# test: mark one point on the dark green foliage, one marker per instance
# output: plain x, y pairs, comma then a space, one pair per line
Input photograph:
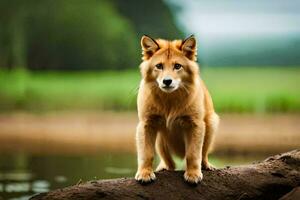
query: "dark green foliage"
152, 18
62, 34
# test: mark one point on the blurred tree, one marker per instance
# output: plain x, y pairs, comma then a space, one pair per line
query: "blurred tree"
152, 18
80, 35
12, 33
62, 34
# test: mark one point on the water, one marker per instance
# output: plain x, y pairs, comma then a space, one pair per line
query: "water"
23, 175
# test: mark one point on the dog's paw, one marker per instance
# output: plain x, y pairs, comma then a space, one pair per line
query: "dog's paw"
193, 176
208, 167
145, 176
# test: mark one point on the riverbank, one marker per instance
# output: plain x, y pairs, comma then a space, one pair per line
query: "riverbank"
86, 132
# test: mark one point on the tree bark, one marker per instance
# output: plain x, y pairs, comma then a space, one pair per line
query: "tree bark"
272, 178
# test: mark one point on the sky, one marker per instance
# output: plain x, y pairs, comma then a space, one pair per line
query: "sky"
237, 18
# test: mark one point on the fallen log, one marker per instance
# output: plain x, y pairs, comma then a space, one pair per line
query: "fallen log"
272, 178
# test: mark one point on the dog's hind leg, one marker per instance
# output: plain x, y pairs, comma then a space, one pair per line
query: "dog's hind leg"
166, 161
212, 123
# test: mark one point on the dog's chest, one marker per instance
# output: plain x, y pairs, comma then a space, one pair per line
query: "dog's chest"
172, 123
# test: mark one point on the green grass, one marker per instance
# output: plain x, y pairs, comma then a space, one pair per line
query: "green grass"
254, 89
233, 90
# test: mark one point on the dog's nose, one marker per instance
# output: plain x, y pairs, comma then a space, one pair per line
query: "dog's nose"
167, 81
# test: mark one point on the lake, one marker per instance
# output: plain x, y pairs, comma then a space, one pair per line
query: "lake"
23, 175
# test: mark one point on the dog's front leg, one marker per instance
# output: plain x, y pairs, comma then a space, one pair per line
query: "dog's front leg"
193, 145
145, 140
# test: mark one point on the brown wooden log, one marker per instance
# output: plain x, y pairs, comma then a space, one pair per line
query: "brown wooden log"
272, 178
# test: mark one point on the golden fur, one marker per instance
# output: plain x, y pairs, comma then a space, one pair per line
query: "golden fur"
179, 121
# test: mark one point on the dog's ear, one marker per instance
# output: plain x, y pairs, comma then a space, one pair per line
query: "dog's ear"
149, 47
189, 48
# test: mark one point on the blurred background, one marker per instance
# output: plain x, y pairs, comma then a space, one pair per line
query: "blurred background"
69, 77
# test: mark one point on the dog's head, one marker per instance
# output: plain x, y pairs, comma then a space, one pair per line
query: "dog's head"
170, 65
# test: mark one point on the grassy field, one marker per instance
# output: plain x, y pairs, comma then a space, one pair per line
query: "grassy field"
233, 89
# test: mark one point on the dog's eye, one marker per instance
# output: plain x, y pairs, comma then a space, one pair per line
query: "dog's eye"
159, 66
177, 66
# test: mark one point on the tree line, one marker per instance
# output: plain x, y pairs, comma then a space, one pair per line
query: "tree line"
78, 35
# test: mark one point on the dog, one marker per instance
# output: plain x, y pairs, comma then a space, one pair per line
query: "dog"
175, 110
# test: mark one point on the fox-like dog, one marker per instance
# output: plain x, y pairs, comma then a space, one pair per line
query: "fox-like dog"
175, 110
